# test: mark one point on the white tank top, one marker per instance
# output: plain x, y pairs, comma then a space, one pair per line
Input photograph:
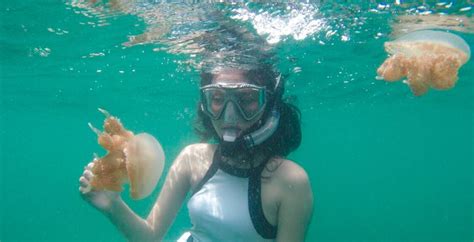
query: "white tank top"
226, 206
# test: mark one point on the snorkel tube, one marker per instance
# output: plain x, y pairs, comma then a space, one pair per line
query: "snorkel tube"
263, 133
271, 124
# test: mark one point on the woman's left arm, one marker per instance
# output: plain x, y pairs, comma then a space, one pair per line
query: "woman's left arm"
296, 206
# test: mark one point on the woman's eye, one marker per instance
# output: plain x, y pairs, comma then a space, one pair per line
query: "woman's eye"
217, 99
247, 99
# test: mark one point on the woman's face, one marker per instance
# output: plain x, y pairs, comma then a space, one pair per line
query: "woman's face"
231, 119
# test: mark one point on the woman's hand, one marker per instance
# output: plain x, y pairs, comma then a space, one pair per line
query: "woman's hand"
102, 200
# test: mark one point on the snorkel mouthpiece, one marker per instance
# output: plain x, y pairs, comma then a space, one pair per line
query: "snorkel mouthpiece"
230, 135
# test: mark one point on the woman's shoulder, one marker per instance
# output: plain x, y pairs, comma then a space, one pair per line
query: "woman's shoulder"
199, 154
199, 157
289, 173
199, 148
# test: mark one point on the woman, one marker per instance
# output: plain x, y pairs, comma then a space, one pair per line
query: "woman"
243, 189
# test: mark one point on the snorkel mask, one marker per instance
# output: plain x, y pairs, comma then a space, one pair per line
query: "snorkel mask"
250, 101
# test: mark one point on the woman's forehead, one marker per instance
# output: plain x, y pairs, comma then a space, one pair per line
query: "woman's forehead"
230, 76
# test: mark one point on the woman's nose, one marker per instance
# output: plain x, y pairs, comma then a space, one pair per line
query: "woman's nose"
231, 113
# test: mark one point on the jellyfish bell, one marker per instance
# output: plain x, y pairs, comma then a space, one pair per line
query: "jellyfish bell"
144, 164
427, 58
134, 159
420, 42
404, 24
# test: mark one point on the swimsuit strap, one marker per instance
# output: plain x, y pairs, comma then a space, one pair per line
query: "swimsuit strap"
211, 171
260, 222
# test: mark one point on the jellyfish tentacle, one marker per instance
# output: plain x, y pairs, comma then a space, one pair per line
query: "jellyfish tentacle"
417, 87
95, 157
418, 76
106, 141
445, 72
393, 69
113, 126
105, 112
96, 130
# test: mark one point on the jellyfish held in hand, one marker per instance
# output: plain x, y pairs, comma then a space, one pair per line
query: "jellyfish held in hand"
427, 59
135, 159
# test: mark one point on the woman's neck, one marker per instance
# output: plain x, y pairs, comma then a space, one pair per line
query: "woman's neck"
244, 161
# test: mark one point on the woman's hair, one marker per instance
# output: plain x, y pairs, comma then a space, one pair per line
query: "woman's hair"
287, 136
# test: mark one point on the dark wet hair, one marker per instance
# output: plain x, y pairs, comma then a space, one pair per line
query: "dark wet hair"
286, 138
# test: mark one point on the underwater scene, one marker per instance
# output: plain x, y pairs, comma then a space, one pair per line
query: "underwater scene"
385, 90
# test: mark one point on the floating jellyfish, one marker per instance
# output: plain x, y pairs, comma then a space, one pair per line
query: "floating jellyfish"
404, 24
426, 58
135, 159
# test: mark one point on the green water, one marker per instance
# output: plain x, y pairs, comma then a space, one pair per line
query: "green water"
384, 165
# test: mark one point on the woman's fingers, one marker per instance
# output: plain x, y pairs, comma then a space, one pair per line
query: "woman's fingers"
82, 190
86, 178
88, 175
89, 166
85, 190
84, 182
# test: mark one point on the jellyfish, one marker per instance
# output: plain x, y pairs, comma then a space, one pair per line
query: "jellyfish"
404, 24
427, 58
134, 159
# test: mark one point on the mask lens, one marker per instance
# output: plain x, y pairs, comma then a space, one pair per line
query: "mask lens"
251, 101
214, 100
